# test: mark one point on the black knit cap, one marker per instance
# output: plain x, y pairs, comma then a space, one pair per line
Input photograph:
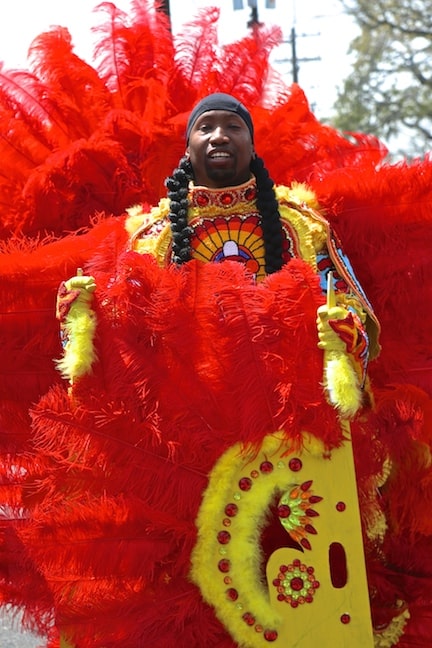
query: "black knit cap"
220, 101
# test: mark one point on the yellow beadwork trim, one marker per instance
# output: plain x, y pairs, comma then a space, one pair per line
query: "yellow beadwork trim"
394, 631
296, 205
139, 222
244, 546
295, 208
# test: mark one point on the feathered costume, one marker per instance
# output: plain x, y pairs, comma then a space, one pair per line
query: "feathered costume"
103, 488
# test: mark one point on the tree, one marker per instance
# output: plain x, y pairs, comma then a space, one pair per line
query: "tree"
389, 92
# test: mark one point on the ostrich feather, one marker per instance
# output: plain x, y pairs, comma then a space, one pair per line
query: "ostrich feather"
128, 48
110, 51
197, 51
101, 491
244, 65
73, 89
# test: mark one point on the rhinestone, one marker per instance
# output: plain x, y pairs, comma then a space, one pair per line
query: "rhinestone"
295, 464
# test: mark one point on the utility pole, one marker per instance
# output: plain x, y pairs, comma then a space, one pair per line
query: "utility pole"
294, 58
295, 66
165, 8
253, 20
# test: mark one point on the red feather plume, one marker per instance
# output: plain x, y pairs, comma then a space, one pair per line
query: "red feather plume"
101, 493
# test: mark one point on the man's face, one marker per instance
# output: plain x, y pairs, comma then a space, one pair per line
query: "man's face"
220, 149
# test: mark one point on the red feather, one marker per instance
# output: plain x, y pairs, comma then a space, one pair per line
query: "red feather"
101, 494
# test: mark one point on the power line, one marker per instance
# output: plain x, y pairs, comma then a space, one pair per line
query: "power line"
254, 22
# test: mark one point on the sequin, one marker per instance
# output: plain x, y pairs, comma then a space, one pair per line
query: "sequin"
223, 537
232, 594
295, 464
266, 467
231, 509
224, 565
245, 484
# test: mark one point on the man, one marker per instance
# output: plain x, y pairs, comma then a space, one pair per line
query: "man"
222, 205
184, 351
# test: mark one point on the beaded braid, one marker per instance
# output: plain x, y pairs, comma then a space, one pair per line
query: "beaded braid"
178, 185
270, 218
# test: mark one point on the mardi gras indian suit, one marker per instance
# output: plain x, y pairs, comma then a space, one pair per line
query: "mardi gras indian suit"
216, 432
146, 503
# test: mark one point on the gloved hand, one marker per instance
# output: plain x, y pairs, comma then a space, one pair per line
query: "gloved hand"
76, 289
81, 282
329, 322
343, 339
342, 331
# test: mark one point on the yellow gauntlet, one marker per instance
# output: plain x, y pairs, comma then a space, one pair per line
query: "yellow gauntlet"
77, 325
343, 339
329, 340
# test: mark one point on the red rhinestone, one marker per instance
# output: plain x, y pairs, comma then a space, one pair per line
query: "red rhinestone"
270, 635
281, 597
309, 598
294, 603
314, 499
266, 467
226, 199
345, 618
232, 594
248, 618
231, 509
284, 511
297, 584
310, 529
250, 193
296, 562
305, 543
315, 584
202, 200
223, 537
306, 485
295, 464
340, 506
311, 513
283, 569
224, 565
245, 484
310, 570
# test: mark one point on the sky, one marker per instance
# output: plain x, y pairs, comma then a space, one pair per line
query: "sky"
323, 34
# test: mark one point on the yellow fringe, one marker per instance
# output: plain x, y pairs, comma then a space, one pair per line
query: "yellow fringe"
394, 631
79, 353
342, 385
244, 547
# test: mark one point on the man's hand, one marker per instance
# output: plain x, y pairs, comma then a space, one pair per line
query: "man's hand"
77, 289
328, 321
